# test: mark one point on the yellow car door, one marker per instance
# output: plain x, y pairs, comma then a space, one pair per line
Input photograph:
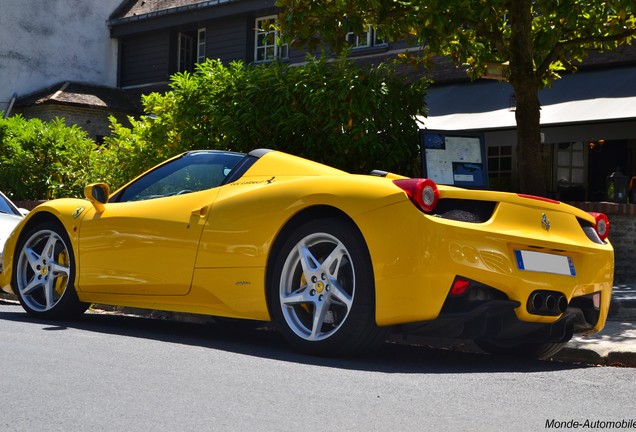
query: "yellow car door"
143, 247
144, 240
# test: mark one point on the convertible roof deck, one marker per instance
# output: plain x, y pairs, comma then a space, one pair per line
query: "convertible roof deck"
245, 164
258, 153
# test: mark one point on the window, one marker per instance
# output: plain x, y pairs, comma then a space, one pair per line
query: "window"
570, 164
201, 45
185, 60
500, 167
267, 41
570, 173
368, 39
7, 206
190, 47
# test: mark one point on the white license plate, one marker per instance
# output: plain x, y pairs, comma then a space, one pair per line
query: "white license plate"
545, 263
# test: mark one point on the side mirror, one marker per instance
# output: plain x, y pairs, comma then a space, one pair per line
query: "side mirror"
97, 194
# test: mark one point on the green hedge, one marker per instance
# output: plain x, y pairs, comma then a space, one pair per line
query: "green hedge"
43, 160
354, 118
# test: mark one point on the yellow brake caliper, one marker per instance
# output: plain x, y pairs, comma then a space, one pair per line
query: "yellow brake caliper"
60, 282
303, 281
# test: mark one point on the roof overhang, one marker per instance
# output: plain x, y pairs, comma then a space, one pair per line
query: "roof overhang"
82, 95
193, 14
584, 97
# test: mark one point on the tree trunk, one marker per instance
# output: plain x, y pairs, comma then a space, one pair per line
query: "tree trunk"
528, 111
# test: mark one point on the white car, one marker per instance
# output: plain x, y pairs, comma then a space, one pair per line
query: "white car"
10, 215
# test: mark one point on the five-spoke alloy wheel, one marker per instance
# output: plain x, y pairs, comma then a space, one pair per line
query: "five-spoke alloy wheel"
322, 291
44, 273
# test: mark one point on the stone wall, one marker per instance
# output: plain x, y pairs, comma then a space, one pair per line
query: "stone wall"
94, 121
623, 238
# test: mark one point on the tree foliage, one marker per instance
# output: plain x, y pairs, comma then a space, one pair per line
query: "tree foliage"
43, 160
351, 117
347, 116
535, 39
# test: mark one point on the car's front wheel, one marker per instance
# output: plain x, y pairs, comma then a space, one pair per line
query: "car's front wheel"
322, 293
44, 273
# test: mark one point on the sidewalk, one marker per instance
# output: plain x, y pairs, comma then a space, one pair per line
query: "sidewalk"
614, 346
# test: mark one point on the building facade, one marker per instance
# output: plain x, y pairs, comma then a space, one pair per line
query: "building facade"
134, 46
588, 118
588, 126
156, 41
77, 59
45, 42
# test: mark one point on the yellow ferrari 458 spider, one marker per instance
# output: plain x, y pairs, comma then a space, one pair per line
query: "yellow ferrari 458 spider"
335, 260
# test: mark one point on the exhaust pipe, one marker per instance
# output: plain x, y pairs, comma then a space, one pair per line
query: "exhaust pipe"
547, 303
562, 303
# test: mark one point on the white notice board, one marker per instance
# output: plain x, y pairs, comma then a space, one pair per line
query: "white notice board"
453, 159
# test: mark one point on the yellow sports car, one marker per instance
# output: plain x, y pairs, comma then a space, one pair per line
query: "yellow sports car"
335, 260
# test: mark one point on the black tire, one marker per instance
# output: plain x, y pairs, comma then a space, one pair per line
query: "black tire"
44, 273
539, 351
321, 290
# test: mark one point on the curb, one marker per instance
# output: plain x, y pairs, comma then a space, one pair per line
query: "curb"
623, 304
590, 357
622, 309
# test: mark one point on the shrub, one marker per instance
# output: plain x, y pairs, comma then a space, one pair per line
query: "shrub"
354, 118
43, 160
351, 117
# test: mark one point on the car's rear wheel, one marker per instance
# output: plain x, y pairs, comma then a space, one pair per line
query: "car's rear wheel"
44, 273
539, 351
322, 293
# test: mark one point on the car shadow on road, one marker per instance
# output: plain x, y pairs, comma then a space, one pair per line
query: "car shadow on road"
247, 338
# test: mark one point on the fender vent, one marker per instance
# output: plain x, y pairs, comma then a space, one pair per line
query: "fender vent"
473, 211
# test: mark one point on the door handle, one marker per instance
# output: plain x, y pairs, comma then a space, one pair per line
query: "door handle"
200, 211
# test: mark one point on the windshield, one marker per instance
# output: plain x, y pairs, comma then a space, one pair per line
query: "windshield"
193, 171
7, 206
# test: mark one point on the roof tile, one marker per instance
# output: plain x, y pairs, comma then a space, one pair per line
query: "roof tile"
142, 7
79, 94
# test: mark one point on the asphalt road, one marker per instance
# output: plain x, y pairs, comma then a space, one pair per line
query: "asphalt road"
114, 373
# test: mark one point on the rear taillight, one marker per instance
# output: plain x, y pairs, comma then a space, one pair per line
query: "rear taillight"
602, 226
423, 192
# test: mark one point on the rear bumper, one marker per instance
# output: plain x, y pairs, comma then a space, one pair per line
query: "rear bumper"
488, 315
417, 257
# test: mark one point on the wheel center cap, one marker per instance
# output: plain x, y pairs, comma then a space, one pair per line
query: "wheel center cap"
319, 287
44, 271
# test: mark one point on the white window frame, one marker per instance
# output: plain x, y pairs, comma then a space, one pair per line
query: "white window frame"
187, 51
368, 39
569, 163
357, 41
269, 50
201, 45
500, 166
